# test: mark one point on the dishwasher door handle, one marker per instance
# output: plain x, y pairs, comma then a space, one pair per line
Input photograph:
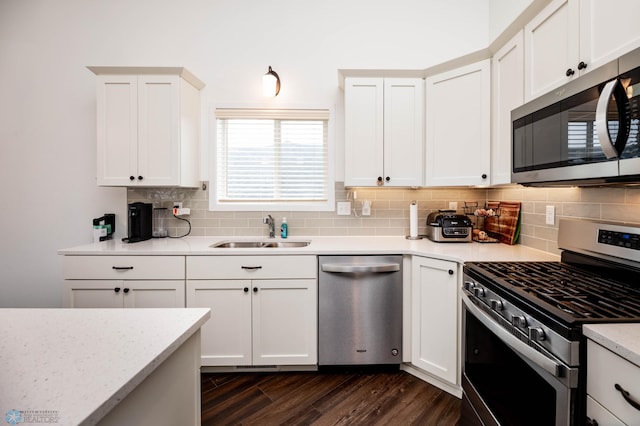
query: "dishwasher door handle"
374, 268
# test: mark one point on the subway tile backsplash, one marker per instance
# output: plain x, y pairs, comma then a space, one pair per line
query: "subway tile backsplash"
390, 211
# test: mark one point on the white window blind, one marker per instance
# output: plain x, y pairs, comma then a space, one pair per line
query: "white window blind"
277, 158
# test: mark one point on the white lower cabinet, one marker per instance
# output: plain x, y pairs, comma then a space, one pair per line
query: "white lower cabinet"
124, 282
263, 309
435, 317
608, 377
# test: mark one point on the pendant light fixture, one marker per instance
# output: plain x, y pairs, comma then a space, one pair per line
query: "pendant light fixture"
270, 83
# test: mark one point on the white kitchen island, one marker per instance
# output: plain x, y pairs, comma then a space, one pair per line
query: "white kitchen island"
100, 366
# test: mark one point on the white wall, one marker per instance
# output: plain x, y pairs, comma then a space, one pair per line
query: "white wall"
47, 96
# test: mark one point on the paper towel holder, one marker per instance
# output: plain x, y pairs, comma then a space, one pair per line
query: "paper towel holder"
417, 237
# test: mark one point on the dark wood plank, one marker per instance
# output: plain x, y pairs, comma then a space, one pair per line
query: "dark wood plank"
324, 399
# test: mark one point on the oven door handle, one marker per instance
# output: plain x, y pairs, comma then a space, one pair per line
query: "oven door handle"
512, 341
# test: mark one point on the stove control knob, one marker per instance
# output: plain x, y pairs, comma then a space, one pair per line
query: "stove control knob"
478, 291
496, 305
519, 321
469, 285
536, 334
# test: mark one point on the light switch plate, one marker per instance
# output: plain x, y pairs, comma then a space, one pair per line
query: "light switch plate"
344, 208
551, 213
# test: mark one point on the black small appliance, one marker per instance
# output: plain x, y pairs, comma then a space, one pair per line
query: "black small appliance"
140, 222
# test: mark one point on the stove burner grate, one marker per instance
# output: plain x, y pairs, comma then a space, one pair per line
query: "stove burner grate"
582, 294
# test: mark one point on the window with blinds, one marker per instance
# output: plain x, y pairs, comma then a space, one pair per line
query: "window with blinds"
272, 160
583, 144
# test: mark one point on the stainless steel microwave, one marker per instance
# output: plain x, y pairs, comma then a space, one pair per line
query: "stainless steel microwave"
583, 133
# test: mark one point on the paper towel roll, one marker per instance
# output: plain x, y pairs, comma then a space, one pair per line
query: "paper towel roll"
413, 220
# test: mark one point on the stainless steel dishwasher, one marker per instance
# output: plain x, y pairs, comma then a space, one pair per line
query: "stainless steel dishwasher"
359, 310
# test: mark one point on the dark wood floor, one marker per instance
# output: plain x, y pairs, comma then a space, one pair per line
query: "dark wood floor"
335, 398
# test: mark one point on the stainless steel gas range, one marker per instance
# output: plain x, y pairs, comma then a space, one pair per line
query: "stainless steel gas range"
524, 354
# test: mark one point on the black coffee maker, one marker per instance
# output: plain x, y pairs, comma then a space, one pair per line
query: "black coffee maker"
140, 222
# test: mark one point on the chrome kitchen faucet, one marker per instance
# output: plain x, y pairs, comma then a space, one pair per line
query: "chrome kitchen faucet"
272, 226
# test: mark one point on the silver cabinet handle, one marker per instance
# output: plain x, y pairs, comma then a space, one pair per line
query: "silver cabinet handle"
375, 268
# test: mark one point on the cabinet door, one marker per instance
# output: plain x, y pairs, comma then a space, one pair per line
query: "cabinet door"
154, 294
458, 126
117, 123
285, 322
364, 131
403, 132
508, 93
608, 29
93, 294
159, 130
435, 317
226, 337
551, 47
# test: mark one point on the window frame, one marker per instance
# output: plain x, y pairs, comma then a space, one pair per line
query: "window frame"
248, 206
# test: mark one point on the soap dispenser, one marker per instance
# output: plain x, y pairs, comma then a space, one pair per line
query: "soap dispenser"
284, 228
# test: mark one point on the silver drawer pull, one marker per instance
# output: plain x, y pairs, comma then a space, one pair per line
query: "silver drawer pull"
251, 268
122, 268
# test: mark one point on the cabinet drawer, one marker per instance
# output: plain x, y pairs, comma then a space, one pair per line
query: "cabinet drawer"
605, 370
123, 267
251, 267
600, 414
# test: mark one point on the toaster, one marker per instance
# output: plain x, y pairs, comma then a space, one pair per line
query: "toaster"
445, 226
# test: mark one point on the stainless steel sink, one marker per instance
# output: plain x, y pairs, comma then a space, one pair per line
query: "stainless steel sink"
286, 244
237, 244
260, 244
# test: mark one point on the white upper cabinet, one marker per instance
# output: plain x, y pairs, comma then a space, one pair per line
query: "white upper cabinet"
572, 37
148, 127
458, 126
508, 93
384, 121
552, 48
608, 29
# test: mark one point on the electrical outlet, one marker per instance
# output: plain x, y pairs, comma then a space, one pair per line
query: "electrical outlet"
344, 208
181, 211
366, 208
177, 204
453, 205
550, 216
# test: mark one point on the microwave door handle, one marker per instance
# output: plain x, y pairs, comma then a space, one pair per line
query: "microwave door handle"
601, 120
612, 149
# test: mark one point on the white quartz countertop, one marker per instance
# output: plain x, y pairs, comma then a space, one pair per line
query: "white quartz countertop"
75, 365
621, 339
458, 252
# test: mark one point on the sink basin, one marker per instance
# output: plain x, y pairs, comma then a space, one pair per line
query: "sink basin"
260, 244
237, 244
285, 244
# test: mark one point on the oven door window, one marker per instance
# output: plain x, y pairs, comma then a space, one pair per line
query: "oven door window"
515, 392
